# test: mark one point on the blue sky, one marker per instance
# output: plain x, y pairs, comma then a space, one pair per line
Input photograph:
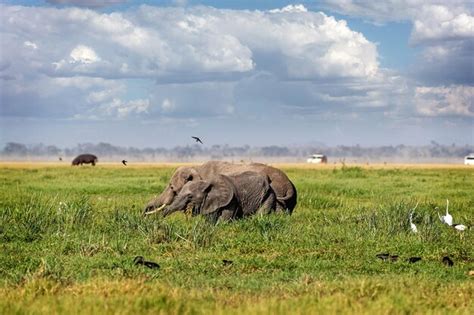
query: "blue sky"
236, 72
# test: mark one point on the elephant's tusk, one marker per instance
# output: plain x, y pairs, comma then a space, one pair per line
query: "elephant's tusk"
155, 210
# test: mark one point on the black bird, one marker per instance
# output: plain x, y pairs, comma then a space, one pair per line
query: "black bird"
227, 262
197, 139
60, 158
447, 261
124, 162
139, 260
413, 260
383, 256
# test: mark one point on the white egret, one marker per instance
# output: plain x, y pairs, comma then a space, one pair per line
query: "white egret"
412, 225
448, 219
459, 227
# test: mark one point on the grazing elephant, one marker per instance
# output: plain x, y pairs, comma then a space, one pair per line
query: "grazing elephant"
226, 197
85, 159
284, 189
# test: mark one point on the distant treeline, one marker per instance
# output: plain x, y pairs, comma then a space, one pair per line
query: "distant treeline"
433, 150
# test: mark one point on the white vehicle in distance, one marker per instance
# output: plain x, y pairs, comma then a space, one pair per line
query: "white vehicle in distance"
469, 160
317, 159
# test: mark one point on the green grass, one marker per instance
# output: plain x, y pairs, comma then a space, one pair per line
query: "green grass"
68, 237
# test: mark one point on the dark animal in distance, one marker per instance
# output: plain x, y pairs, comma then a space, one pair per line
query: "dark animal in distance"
197, 139
139, 260
227, 262
124, 162
60, 158
85, 159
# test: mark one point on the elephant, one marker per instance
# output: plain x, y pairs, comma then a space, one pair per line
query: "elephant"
85, 159
284, 189
226, 197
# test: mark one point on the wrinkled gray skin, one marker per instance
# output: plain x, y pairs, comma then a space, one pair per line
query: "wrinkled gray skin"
224, 198
284, 189
85, 159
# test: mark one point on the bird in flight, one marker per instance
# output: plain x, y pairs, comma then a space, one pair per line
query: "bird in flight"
124, 162
197, 139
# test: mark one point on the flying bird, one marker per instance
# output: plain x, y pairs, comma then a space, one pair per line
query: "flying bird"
448, 219
412, 225
124, 162
447, 261
139, 260
197, 139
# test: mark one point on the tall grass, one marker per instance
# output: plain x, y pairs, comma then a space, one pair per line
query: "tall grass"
68, 238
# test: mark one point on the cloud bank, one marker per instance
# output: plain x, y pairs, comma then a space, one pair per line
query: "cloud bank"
187, 64
91, 54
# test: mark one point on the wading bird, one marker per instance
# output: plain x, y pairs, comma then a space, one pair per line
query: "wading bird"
197, 139
459, 227
448, 219
412, 225
124, 162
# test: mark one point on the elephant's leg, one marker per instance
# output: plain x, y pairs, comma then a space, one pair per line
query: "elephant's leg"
226, 215
268, 205
93, 163
280, 207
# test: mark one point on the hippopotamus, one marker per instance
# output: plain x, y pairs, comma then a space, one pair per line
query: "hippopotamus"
85, 159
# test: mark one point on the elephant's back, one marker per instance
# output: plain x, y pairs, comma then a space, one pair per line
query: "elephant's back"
284, 189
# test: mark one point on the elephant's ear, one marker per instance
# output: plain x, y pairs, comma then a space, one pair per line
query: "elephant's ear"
220, 193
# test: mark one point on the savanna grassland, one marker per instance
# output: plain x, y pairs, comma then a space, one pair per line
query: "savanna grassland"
68, 237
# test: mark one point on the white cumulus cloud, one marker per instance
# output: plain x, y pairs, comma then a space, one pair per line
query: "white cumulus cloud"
83, 54
189, 44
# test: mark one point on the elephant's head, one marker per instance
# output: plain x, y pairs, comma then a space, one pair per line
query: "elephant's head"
178, 180
205, 197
